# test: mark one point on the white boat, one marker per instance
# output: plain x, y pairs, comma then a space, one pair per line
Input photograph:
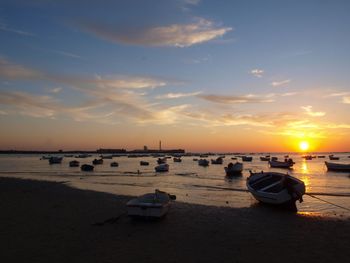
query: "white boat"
154, 205
288, 163
164, 167
234, 169
338, 167
275, 188
332, 157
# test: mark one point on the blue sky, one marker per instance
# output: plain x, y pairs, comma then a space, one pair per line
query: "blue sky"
268, 69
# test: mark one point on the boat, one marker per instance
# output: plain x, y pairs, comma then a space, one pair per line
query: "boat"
87, 167
45, 157
275, 188
247, 158
82, 155
203, 155
55, 159
74, 163
68, 155
233, 158
177, 160
218, 160
164, 167
234, 169
338, 167
97, 161
114, 164
288, 163
144, 163
106, 156
151, 205
274, 158
265, 158
161, 160
321, 156
203, 162
307, 157
195, 159
332, 157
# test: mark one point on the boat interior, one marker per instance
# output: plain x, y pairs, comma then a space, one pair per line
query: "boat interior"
271, 183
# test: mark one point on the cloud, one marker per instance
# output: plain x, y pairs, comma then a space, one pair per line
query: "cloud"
280, 83
175, 35
308, 111
56, 90
177, 95
287, 94
337, 94
5, 27
13, 71
257, 73
250, 98
66, 54
346, 100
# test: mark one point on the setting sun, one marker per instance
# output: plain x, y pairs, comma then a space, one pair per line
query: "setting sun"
304, 146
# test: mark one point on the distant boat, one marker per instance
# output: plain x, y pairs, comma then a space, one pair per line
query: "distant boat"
203, 162
307, 157
233, 158
164, 167
152, 205
177, 160
195, 159
234, 169
87, 167
275, 188
68, 155
55, 160
161, 160
338, 167
114, 164
106, 156
218, 160
144, 163
247, 158
321, 156
265, 158
82, 155
97, 161
288, 163
332, 157
203, 155
74, 163
45, 157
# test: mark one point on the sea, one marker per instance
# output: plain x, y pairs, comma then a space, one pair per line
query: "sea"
327, 193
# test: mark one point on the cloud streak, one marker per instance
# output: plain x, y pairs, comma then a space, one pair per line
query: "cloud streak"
308, 110
177, 95
257, 73
175, 35
6, 28
280, 83
237, 99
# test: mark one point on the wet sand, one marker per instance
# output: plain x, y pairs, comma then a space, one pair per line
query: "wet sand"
52, 222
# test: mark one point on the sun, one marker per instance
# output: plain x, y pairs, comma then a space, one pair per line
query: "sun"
304, 146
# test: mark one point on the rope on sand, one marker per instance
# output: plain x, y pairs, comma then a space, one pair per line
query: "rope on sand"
345, 208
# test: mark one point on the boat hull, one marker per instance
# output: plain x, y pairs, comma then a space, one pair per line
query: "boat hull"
337, 167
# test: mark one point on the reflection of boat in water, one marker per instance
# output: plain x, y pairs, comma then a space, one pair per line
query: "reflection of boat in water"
218, 160
338, 167
288, 163
55, 160
234, 169
275, 188
74, 163
203, 162
87, 167
153, 205
164, 167
97, 161
114, 164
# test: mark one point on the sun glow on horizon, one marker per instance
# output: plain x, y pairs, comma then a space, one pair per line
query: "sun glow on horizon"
304, 146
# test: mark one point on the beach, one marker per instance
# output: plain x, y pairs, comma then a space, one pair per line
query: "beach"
52, 222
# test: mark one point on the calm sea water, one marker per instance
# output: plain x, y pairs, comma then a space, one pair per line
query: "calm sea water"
190, 182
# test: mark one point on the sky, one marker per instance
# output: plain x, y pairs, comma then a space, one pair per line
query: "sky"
201, 75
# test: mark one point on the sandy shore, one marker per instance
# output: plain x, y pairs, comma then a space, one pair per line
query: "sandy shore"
52, 222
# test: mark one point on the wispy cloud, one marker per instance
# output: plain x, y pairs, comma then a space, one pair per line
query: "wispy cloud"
5, 27
280, 83
66, 54
56, 90
287, 94
11, 71
177, 95
337, 94
257, 72
346, 100
176, 35
308, 110
250, 98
